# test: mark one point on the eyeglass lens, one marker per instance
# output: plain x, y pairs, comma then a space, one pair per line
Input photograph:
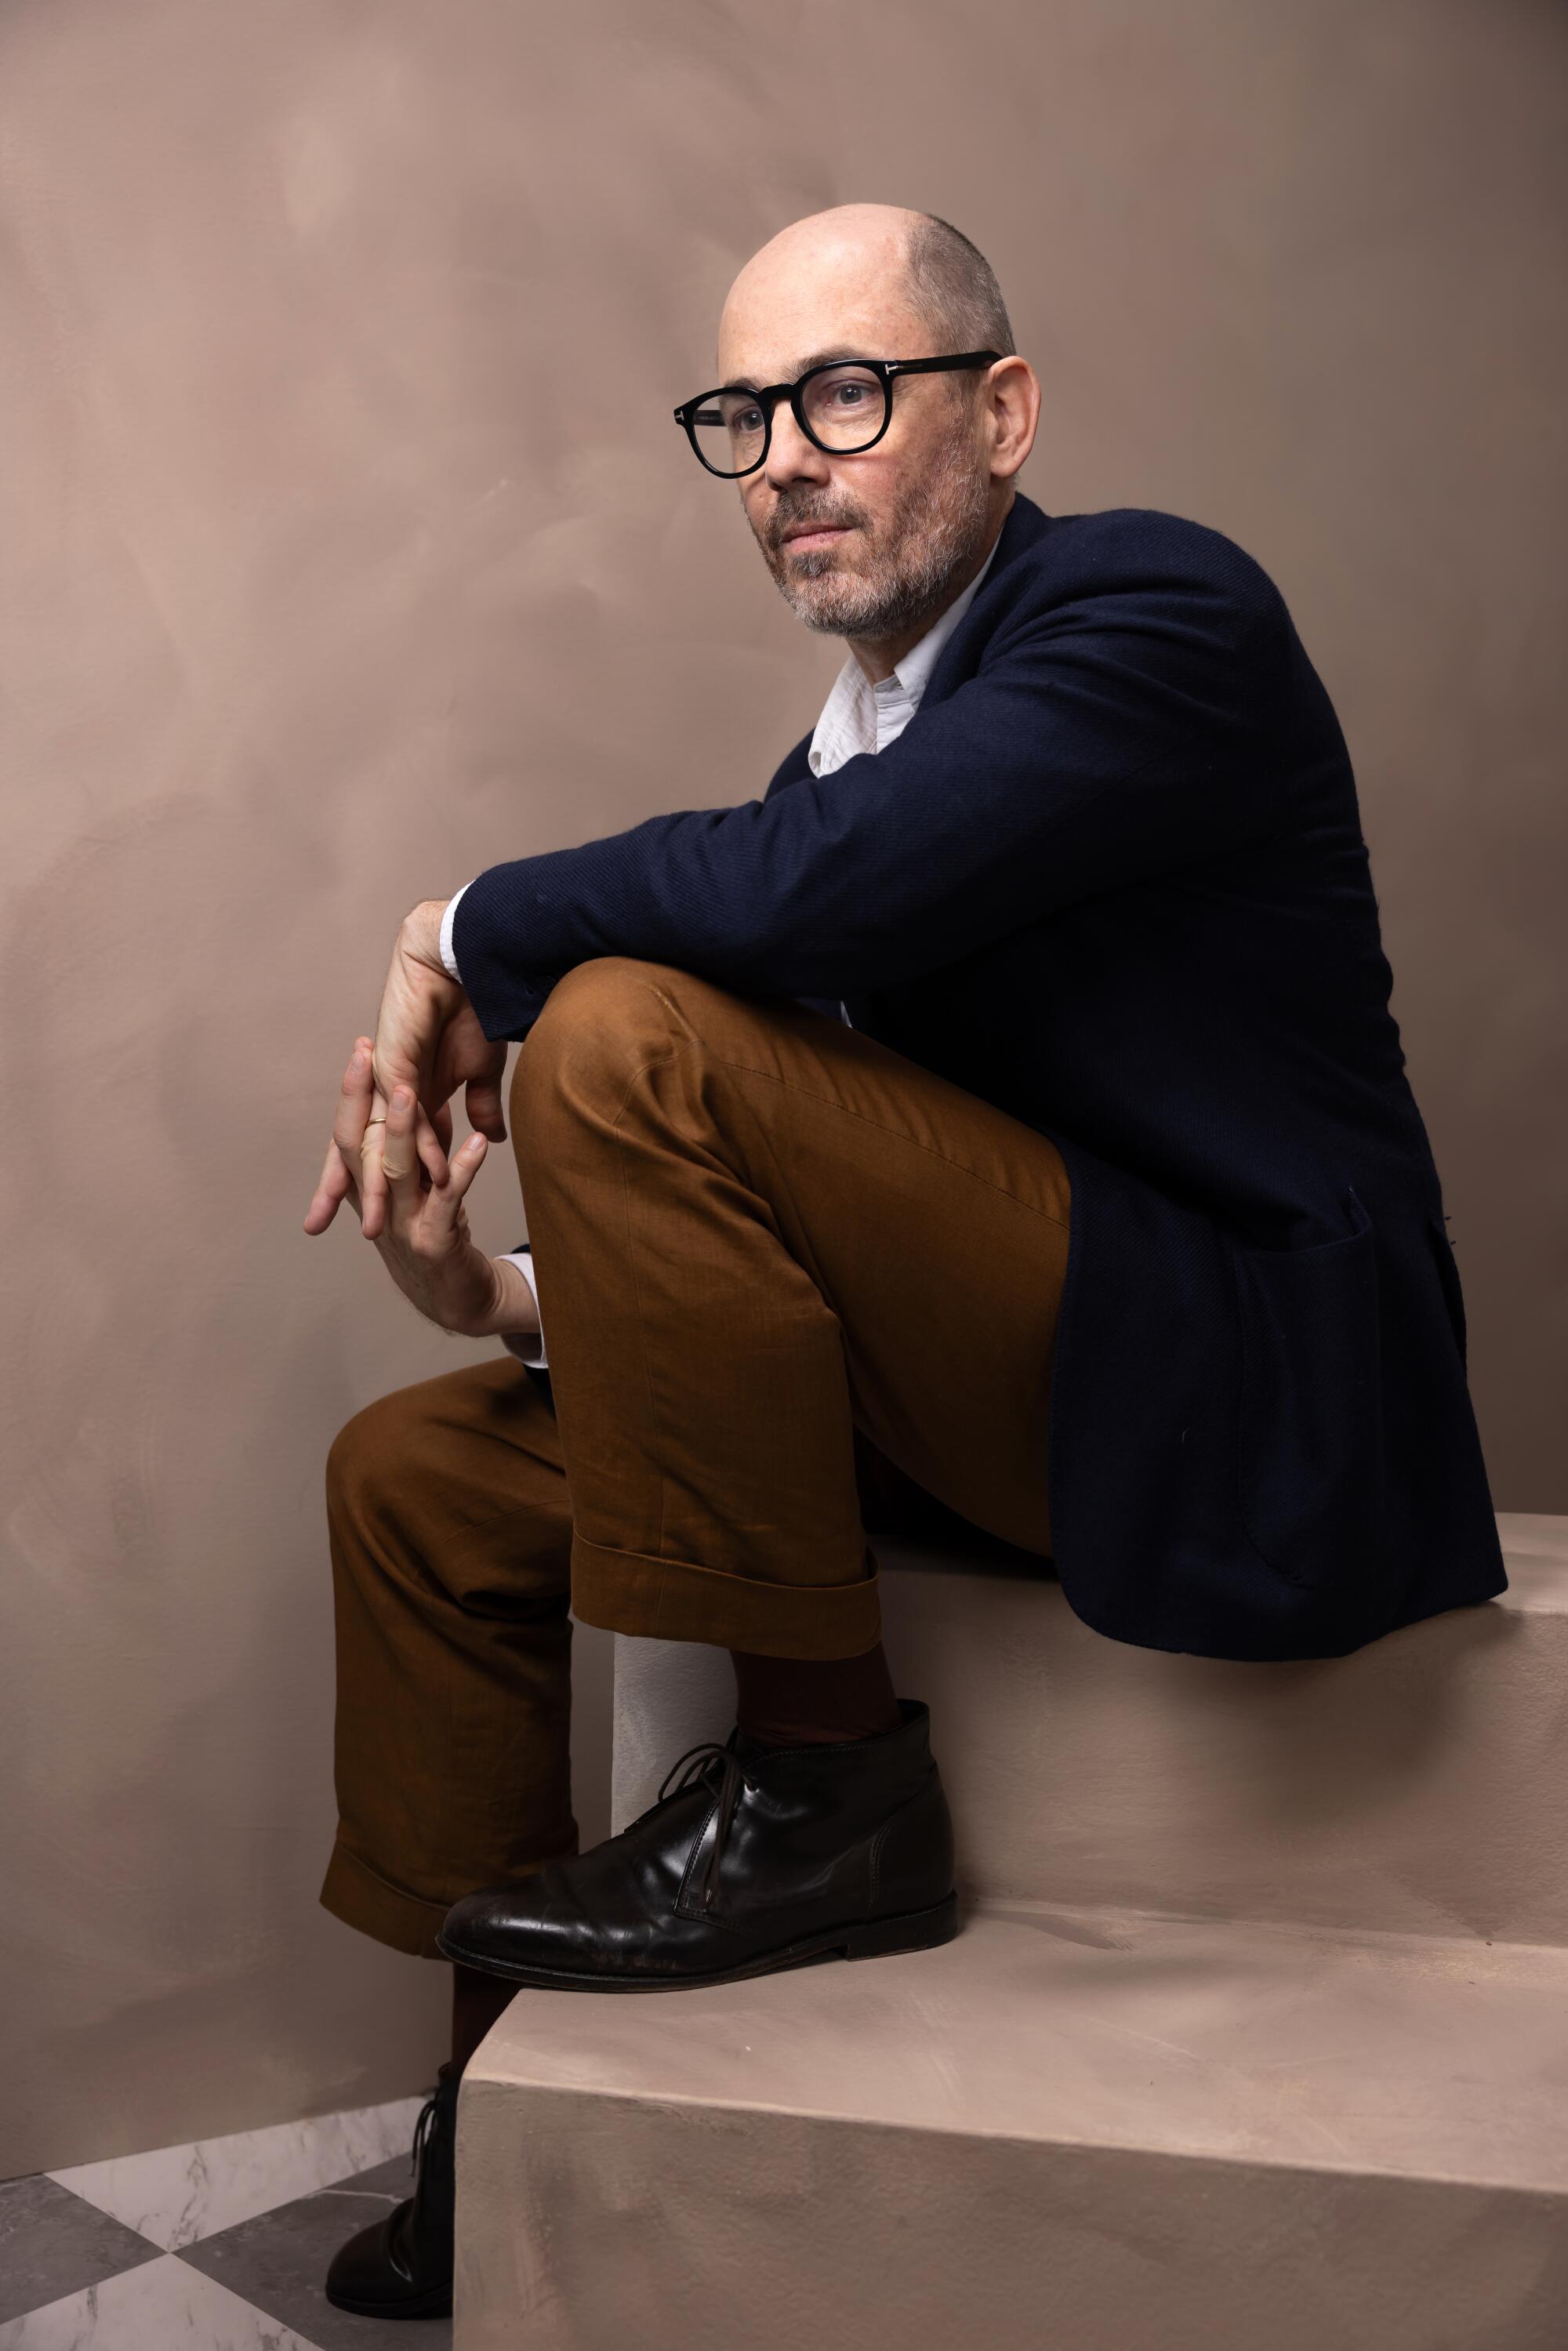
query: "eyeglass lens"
844, 409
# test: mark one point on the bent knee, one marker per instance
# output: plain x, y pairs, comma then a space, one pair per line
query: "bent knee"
600, 1016
363, 1455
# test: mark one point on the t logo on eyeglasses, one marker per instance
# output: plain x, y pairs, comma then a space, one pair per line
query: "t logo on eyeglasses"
843, 407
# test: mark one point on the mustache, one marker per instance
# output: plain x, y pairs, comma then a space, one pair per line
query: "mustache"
802, 519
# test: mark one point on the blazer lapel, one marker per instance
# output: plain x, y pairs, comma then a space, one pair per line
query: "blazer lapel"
1025, 526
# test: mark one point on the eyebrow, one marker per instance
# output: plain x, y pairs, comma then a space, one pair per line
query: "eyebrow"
818, 358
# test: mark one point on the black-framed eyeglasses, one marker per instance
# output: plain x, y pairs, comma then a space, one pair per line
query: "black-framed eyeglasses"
843, 407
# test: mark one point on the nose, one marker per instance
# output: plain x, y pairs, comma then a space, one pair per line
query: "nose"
791, 456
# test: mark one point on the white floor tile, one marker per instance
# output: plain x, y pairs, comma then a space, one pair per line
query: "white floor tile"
166, 2305
176, 2195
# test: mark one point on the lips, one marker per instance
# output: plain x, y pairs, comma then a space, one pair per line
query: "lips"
824, 530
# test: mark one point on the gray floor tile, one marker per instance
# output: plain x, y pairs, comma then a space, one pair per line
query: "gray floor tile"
164, 2305
278, 2259
394, 2178
53, 2244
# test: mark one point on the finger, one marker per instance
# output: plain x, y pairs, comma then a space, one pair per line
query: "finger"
348, 1128
330, 1192
372, 1182
353, 1102
482, 1099
432, 1156
350, 1186
372, 1175
357, 1131
465, 1057
400, 1156
441, 1126
467, 1162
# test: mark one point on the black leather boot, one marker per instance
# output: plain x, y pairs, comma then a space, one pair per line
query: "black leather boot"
402, 2267
756, 1858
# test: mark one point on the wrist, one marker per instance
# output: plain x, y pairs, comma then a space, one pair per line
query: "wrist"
515, 1313
420, 935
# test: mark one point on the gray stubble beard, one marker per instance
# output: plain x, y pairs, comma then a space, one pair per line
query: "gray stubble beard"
938, 531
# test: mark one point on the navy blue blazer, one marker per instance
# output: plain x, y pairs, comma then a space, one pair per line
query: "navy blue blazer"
1112, 877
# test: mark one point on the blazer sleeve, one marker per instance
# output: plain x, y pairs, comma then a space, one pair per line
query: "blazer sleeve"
1103, 741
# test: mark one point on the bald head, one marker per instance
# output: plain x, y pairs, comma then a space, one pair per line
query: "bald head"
939, 280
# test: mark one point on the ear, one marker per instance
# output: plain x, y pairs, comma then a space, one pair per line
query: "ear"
1012, 396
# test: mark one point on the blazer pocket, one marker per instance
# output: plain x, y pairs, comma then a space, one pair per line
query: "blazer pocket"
1309, 1440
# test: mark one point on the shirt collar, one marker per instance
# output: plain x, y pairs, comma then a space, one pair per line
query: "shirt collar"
848, 723
914, 671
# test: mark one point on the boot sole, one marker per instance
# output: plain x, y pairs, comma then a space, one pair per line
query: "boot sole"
437, 2303
874, 1939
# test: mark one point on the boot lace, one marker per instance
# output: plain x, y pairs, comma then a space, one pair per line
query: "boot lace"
696, 1764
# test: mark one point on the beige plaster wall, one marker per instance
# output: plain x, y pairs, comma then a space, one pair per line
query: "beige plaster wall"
348, 548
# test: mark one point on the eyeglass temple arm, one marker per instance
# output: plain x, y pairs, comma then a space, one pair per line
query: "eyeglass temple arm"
942, 366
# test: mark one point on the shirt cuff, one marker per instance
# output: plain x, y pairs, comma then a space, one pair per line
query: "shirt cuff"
447, 957
527, 1349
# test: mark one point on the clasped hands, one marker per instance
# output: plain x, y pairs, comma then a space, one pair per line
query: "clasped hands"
391, 1153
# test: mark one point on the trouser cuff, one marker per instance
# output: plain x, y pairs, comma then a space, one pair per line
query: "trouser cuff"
404, 1922
674, 1599
359, 1896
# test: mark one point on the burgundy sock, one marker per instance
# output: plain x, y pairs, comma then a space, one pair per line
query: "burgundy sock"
477, 1999
811, 1701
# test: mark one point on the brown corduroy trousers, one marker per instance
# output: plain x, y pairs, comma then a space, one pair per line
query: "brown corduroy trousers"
794, 1286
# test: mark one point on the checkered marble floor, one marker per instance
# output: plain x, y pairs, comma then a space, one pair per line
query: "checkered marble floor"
221, 2246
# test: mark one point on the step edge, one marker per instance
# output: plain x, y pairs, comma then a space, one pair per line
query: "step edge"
1380, 1945
1303, 1930
696, 2103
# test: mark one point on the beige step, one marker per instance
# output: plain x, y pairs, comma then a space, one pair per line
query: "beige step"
1071, 2129
1418, 1786
1255, 2038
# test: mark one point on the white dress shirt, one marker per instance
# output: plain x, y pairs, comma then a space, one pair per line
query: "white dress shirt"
857, 718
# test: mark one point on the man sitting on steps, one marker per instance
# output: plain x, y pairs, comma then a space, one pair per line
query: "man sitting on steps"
1000, 1118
